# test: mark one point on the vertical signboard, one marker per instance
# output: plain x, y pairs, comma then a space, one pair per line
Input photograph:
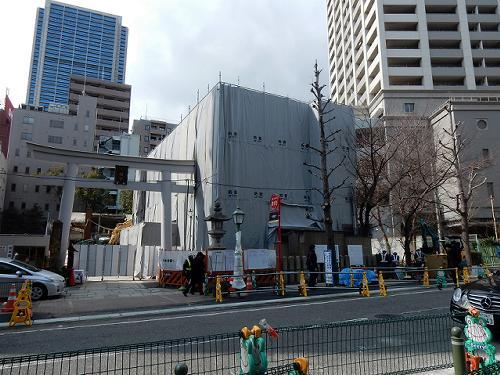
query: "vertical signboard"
275, 217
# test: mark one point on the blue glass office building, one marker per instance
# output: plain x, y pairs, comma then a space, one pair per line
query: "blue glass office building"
73, 40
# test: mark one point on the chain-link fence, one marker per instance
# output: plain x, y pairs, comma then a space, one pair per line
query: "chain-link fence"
396, 345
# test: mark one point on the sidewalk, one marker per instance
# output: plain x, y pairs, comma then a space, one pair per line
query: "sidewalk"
126, 296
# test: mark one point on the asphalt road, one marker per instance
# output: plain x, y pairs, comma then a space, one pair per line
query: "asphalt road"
75, 336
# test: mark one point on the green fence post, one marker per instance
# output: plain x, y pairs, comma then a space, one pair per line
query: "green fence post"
181, 369
458, 350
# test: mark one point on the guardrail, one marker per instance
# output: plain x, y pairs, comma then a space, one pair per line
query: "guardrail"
400, 345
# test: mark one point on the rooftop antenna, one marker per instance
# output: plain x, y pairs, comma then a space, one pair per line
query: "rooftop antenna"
264, 86
208, 88
189, 108
220, 76
181, 117
146, 115
238, 80
198, 96
7, 91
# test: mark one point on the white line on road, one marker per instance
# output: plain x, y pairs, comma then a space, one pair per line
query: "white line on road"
225, 312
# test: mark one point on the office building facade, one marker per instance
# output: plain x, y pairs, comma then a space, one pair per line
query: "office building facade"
57, 129
113, 104
73, 40
151, 133
404, 56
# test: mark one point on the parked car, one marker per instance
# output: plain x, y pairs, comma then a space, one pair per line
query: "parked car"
44, 283
484, 295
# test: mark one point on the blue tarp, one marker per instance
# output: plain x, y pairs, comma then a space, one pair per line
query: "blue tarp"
345, 278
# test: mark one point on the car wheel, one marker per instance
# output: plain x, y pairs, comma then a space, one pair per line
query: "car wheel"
38, 292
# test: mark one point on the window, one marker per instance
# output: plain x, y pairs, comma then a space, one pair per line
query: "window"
55, 139
28, 154
11, 204
27, 170
26, 136
76, 126
86, 128
28, 120
74, 141
37, 188
146, 127
17, 152
39, 171
145, 149
23, 205
146, 138
85, 143
485, 154
25, 188
46, 207
482, 124
58, 124
14, 169
7, 269
87, 114
409, 107
48, 190
12, 187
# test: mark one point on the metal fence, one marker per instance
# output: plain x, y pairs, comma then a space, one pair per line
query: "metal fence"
396, 345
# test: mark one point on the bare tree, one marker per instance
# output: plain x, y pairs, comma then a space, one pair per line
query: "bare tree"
324, 171
463, 180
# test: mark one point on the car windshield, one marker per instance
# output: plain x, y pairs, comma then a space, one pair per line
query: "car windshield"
25, 265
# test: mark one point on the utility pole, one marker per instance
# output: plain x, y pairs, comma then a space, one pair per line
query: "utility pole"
492, 202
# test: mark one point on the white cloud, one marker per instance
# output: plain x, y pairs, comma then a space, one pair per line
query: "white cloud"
179, 46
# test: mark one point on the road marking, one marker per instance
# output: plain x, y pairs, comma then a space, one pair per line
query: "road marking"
216, 313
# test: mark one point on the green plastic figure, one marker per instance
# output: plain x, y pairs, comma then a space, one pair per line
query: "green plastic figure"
479, 337
253, 356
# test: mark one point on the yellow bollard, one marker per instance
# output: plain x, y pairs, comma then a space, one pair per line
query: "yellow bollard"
365, 291
426, 278
218, 290
456, 278
466, 275
282, 283
302, 285
351, 279
381, 285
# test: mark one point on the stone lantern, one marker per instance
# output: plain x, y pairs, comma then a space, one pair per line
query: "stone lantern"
217, 219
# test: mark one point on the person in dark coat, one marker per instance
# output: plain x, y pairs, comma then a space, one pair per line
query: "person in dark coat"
198, 274
312, 266
453, 256
187, 269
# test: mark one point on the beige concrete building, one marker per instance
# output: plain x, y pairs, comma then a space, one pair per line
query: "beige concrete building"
403, 56
113, 104
151, 133
76, 132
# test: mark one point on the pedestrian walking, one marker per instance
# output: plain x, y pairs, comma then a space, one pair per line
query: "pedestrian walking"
198, 274
187, 269
453, 256
312, 266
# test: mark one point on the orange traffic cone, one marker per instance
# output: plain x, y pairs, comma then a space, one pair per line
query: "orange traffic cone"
8, 306
249, 283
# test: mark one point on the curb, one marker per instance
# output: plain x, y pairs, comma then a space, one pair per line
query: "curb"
202, 308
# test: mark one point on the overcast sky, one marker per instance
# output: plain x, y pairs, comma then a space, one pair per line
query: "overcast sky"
176, 47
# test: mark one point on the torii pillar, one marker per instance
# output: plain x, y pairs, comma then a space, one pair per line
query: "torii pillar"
68, 197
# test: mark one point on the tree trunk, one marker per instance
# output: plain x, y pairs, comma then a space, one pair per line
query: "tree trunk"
407, 231
464, 221
87, 231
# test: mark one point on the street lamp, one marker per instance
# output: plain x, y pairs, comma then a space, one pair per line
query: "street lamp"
238, 283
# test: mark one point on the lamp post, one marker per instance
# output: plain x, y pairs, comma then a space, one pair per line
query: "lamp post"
238, 283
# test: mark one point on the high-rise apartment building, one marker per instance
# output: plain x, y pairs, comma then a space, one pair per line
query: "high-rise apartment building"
397, 56
151, 133
113, 104
73, 40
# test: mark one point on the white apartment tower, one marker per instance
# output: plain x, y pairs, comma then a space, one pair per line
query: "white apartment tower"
388, 54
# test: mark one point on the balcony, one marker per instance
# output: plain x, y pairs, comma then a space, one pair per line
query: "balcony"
448, 71
442, 17
405, 71
448, 35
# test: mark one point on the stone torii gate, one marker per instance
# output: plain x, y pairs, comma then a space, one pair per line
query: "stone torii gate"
73, 159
